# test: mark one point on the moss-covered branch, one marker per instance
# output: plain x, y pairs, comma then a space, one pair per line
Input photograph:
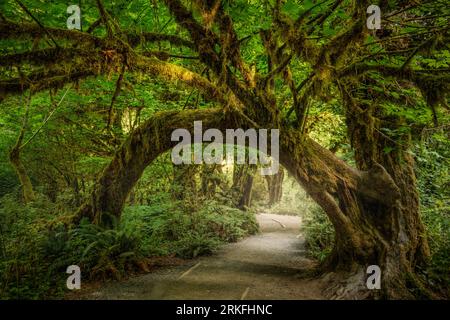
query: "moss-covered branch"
24, 30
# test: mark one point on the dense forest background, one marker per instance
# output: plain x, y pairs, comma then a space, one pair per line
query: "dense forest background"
70, 101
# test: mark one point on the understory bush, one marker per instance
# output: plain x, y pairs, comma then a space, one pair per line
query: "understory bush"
319, 233
36, 247
167, 229
437, 224
432, 168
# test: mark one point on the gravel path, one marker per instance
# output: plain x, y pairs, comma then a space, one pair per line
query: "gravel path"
269, 265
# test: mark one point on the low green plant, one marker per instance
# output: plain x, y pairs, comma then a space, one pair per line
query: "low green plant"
165, 228
36, 248
319, 234
432, 156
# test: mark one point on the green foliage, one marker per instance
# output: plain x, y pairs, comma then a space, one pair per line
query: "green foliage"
165, 228
24, 271
319, 234
432, 157
67, 154
437, 224
36, 248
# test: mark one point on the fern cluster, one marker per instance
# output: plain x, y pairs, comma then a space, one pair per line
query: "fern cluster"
36, 247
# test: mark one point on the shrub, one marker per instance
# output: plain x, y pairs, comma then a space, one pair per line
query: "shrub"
36, 248
432, 158
165, 228
319, 234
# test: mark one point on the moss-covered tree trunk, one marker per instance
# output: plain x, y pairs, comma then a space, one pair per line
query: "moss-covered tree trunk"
275, 187
25, 182
374, 213
243, 175
142, 146
390, 233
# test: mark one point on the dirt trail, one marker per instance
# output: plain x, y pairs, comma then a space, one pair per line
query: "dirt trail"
269, 265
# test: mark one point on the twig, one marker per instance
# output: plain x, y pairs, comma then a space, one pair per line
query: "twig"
278, 69
282, 225
94, 25
36, 20
46, 120
105, 17
416, 50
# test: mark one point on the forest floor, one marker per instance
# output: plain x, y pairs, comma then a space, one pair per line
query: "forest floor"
268, 265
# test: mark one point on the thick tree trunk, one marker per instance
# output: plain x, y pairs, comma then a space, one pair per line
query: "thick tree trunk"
275, 187
246, 199
375, 217
243, 176
395, 233
138, 151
